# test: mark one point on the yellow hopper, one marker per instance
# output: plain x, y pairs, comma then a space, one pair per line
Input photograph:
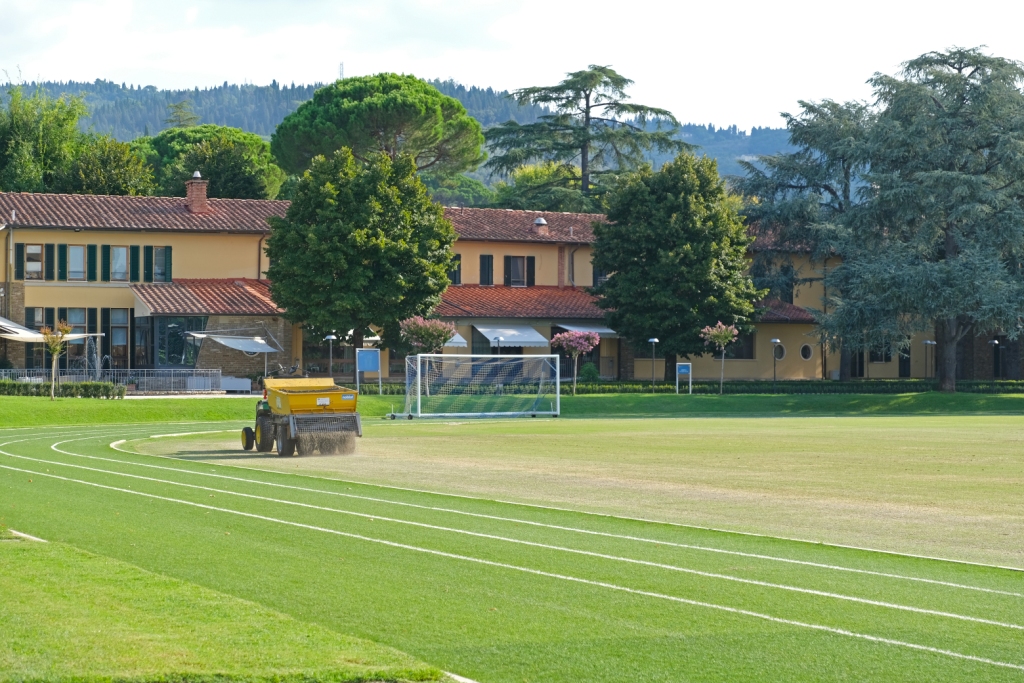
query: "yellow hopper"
304, 414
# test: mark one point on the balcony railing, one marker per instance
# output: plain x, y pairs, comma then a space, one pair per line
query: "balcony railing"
146, 381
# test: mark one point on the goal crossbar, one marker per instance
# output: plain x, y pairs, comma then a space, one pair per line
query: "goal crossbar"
481, 385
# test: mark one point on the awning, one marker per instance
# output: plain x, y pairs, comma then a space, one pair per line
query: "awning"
12, 330
457, 340
600, 329
244, 344
513, 335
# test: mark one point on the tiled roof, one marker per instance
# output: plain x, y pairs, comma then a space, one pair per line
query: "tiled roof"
208, 297
775, 311
474, 301
136, 213
506, 225
770, 238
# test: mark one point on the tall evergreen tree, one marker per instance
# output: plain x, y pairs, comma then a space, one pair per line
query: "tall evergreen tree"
675, 247
799, 200
594, 127
942, 241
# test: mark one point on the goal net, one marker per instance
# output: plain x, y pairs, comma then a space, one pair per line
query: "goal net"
449, 385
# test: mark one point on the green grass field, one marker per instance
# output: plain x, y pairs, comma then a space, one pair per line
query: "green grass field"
406, 543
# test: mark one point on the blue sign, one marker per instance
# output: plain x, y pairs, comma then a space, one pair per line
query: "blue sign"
368, 360
683, 369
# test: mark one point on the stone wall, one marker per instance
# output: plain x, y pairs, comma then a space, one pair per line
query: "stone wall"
233, 363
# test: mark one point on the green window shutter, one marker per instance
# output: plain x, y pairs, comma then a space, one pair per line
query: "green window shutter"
105, 263
167, 264
134, 261
91, 320
508, 271
90, 262
105, 330
49, 316
19, 261
30, 317
147, 264
49, 261
487, 269
62, 262
531, 271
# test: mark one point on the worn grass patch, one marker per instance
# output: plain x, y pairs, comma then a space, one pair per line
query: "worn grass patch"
70, 615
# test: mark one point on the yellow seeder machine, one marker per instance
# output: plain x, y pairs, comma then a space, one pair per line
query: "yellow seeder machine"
305, 415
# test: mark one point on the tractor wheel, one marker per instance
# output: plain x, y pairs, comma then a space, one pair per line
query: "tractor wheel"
285, 444
264, 434
248, 439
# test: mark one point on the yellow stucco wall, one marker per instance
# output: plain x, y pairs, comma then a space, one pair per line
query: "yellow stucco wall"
546, 255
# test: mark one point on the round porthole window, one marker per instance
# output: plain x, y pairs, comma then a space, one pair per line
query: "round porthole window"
806, 351
780, 352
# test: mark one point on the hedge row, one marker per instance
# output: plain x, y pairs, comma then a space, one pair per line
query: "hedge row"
906, 386
64, 389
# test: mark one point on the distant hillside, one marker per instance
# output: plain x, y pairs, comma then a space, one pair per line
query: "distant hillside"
127, 112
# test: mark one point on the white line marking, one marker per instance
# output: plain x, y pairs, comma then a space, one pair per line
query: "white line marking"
538, 572
26, 536
640, 539
545, 546
457, 678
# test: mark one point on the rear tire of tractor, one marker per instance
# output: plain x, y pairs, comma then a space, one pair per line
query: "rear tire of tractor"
248, 439
285, 445
264, 434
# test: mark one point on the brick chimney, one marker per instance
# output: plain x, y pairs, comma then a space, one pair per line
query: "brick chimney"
540, 227
195, 194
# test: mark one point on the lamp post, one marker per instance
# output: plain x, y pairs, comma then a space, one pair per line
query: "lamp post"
929, 370
775, 360
653, 341
996, 365
497, 342
330, 354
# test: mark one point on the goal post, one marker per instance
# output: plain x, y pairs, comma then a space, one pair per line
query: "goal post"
456, 385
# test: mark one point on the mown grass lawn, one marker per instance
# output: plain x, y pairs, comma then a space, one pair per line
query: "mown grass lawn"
71, 615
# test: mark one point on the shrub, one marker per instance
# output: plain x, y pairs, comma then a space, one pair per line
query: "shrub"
589, 373
66, 390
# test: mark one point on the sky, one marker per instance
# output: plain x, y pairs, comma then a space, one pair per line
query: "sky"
741, 62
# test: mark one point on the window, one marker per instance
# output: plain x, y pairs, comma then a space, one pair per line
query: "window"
600, 277
517, 271
157, 267
520, 271
455, 274
76, 262
119, 264
119, 338
806, 352
779, 351
742, 348
76, 347
35, 353
884, 356
487, 269
33, 262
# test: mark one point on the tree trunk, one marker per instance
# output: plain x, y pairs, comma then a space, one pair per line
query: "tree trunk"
585, 149
721, 376
53, 375
575, 371
946, 331
845, 361
670, 367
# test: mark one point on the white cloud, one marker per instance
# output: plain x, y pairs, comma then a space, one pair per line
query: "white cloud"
740, 63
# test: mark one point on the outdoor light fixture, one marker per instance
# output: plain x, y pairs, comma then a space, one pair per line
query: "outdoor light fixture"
497, 342
653, 341
330, 351
775, 360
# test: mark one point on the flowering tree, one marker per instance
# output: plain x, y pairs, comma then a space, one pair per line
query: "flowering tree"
56, 340
575, 344
426, 336
719, 336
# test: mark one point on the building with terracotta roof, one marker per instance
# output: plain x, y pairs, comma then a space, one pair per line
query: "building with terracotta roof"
150, 273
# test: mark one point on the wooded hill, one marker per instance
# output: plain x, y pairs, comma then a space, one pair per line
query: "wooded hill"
128, 111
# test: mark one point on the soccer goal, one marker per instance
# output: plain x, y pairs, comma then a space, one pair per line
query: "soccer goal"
450, 385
